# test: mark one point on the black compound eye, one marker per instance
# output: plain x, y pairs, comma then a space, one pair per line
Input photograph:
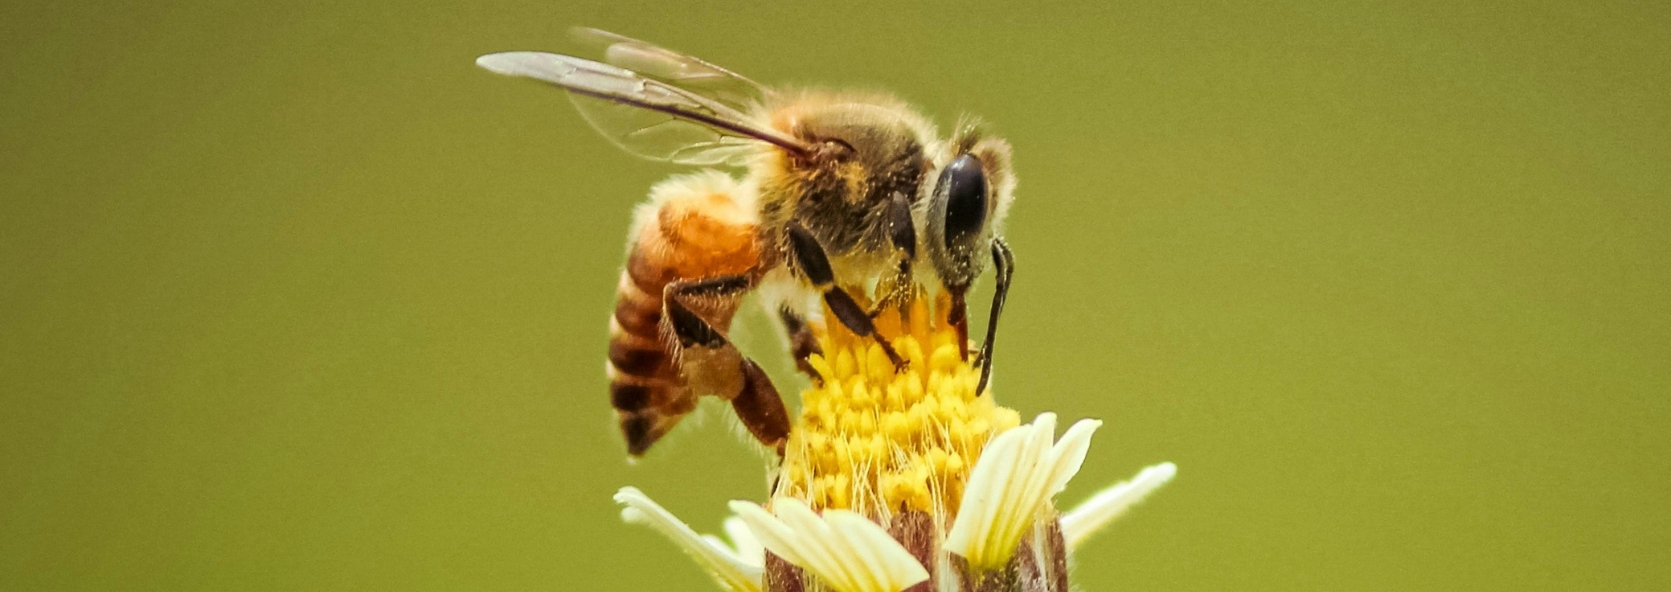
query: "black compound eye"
965, 186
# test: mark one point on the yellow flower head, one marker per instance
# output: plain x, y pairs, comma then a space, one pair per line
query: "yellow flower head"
879, 439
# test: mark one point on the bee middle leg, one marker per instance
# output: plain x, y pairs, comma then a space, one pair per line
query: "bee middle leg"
803, 343
815, 266
711, 365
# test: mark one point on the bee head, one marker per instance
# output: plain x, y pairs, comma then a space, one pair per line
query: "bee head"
972, 194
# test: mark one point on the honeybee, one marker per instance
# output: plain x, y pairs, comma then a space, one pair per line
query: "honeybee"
842, 193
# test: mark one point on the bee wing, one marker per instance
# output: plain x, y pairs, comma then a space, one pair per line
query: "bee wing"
644, 116
685, 71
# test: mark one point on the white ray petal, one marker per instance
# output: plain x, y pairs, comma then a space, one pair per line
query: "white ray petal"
984, 491
842, 548
1011, 484
813, 541
1108, 504
733, 573
1070, 453
985, 494
747, 546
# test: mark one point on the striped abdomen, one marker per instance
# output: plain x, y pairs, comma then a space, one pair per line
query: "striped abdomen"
694, 227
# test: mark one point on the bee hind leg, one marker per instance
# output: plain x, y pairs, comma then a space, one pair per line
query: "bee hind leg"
711, 365
815, 266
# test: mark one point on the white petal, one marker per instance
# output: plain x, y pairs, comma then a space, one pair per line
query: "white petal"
733, 573
1070, 453
982, 495
747, 546
1012, 483
844, 549
813, 541
1108, 504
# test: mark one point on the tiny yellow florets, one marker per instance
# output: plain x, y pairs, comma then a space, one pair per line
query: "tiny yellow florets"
877, 440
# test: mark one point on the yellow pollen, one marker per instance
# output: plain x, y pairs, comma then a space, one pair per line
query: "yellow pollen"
880, 440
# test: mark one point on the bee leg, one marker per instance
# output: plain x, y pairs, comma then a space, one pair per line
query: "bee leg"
903, 235
815, 266
711, 365
958, 317
802, 342
760, 408
1003, 265
894, 291
901, 232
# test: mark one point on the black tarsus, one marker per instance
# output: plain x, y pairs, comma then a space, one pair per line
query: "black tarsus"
858, 321
815, 265
1003, 262
849, 312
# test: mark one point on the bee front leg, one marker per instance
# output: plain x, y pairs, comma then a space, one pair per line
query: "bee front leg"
902, 234
711, 365
813, 264
1003, 265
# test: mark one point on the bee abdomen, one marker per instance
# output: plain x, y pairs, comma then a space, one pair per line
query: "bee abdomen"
643, 382
693, 229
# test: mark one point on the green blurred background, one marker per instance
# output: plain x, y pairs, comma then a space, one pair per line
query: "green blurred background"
295, 297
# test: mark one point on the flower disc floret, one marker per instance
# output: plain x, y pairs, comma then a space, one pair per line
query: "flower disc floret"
881, 439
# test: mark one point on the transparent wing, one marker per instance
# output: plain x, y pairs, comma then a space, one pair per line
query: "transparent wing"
644, 116
684, 71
